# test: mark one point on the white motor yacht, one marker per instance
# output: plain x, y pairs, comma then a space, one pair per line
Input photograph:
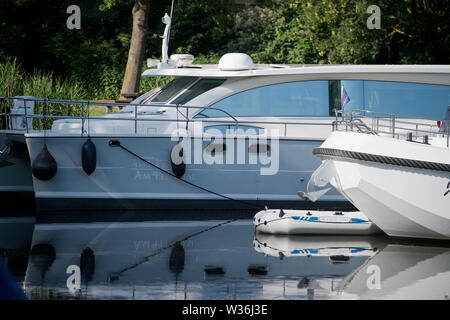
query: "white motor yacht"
395, 169
247, 138
232, 136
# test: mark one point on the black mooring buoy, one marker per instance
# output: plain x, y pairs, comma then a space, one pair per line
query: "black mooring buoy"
178, 168
89, 157
44, 166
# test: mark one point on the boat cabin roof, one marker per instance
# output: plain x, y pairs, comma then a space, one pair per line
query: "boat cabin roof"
308, 71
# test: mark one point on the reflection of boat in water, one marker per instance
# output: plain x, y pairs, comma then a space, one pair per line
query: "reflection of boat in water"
16, 233
401, 271
15, 240
338, 249
283, 221
172, 260
201, 260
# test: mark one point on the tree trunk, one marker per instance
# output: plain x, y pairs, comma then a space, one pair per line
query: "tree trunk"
133, 71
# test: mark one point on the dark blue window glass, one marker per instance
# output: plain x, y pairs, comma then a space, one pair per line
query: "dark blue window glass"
411, 99
304, 98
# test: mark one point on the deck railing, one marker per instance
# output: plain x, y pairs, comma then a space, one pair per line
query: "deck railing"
42, 117
394, 125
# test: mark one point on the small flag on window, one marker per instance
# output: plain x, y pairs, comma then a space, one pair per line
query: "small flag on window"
344, 97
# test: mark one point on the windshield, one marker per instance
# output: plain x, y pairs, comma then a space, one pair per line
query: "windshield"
197, 89
172, 89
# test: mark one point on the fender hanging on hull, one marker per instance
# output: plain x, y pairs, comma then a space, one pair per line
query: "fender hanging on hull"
179, 165
89, 157
44, 166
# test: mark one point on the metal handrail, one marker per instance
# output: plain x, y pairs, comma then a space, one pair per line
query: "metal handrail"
389, 124
118, 104
85, 117
83, 103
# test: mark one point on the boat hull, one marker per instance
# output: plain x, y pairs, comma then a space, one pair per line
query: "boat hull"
125, 181
404, 201
16, 185
399, 206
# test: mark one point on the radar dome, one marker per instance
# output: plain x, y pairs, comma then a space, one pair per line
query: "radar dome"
235, 62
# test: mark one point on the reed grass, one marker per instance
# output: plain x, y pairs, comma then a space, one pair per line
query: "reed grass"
14, 81
11, 78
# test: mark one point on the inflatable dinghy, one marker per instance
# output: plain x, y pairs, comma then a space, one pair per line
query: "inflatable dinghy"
280, 221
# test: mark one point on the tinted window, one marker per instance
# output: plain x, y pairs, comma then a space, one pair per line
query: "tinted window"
172, 88
305, 98
197, 89
412, 99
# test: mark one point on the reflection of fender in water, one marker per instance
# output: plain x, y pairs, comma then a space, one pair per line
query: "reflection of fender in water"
42, 255
87, 264
322, 176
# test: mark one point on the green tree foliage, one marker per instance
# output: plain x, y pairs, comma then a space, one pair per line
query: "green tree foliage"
270, 34
416, 31
34, 33
336, 30
412, 31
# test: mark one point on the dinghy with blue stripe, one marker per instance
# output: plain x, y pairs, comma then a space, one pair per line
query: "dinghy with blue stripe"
329, 251
317, 219
305, 251
303, 218
284, 221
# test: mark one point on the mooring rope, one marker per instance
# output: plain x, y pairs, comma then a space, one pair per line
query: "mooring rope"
116, 143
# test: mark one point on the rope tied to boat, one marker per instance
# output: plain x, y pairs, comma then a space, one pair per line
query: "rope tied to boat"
116, 143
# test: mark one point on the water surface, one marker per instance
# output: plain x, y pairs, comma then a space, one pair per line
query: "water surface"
216, 259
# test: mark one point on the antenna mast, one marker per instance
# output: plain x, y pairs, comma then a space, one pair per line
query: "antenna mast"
171, 13
167, 20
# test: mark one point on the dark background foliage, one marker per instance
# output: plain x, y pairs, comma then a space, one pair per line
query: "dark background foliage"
33, 33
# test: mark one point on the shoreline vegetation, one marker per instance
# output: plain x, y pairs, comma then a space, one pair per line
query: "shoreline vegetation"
14, 81
41, 57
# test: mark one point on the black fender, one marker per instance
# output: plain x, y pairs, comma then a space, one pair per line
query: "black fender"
89, 157
44, 166
178, 167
